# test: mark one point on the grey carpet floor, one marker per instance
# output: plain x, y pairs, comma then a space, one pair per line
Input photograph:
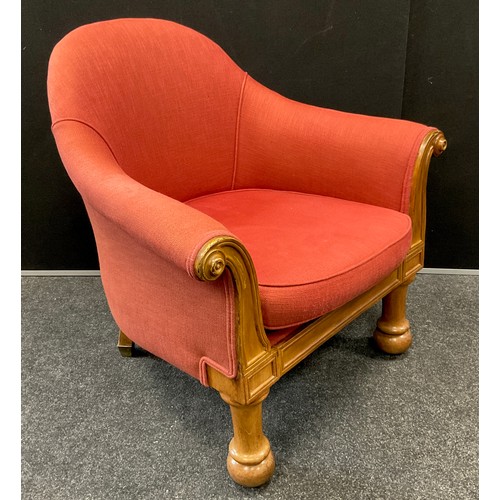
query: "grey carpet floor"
347, 423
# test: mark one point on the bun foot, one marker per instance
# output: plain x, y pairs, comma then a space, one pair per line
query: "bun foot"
393, 344
251, 475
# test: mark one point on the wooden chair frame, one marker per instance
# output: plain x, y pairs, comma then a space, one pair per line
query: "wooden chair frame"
250, 460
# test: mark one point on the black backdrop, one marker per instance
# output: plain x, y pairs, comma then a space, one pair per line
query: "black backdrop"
412, 59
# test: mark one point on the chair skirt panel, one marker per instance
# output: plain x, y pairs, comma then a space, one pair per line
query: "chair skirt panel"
311, 253
186, 322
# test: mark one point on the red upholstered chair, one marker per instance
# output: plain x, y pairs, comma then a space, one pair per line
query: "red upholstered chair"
237, 230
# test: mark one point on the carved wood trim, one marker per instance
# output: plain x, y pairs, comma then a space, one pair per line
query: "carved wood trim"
434, 143
259, 364
252, 345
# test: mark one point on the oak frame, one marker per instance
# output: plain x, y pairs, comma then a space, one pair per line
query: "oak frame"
250, 459
260, 365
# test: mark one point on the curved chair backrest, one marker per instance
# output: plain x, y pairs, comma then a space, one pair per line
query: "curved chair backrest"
163, 97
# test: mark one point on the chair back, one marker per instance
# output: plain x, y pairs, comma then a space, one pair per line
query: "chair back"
163, 97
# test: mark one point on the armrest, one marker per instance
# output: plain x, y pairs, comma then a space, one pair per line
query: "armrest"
170, 228
284, 144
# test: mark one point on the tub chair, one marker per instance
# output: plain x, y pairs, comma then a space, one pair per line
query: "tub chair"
237, 230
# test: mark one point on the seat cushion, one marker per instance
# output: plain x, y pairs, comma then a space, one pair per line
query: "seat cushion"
311, 253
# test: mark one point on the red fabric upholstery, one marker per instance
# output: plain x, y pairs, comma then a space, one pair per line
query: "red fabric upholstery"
277, 336
287, 145
164, 225
311, 253
148, 114
143, 108
164, 97
147, 243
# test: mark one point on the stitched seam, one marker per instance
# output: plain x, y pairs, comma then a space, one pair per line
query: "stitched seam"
206, 361
340, 304
345, 271
89, 126
301, 193
237, 132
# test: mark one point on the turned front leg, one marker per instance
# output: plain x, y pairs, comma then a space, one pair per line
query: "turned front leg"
250, 461
393, 334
